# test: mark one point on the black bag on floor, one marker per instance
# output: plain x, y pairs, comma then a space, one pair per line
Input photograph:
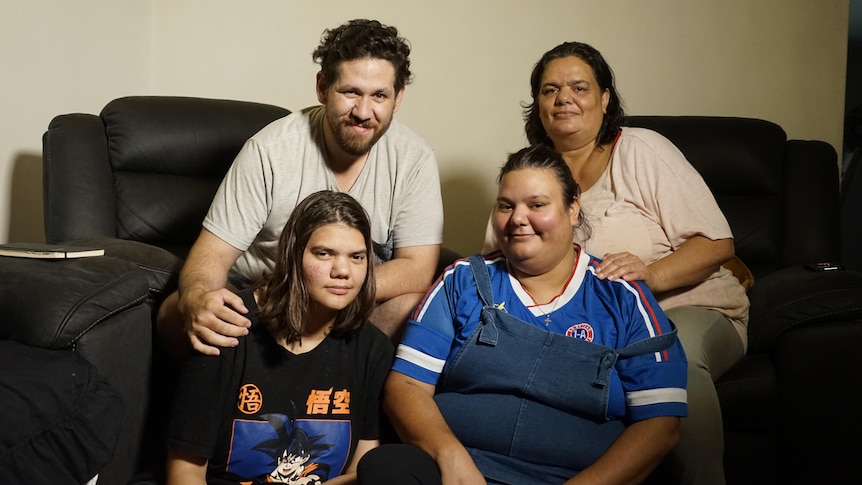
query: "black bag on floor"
59, 418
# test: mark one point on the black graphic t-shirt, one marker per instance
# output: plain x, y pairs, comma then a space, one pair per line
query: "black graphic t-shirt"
258, 412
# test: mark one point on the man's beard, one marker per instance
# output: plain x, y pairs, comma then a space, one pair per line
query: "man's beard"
352, 143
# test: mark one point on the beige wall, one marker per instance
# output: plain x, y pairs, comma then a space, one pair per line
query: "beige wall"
59, 57
781, 60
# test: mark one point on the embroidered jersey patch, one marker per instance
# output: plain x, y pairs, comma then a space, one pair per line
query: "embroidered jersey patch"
583, 331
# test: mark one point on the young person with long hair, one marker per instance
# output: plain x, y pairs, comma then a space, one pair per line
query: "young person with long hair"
297, 400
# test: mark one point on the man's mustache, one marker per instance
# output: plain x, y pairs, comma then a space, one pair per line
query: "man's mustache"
360, 123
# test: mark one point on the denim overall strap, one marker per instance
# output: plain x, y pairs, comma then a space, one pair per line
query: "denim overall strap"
482, 278
649, 345
518, 394
488, 332
549, 347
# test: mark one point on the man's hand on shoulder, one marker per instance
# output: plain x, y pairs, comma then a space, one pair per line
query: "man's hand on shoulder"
213, 319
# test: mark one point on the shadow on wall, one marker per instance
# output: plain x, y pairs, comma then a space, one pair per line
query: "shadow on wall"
25, 201
466, 205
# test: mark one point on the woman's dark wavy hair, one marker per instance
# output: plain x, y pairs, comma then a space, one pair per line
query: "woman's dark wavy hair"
361, 38
615, 115
544, 157
284, 301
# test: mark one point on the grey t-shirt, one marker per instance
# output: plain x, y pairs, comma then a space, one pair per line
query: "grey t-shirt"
283, 163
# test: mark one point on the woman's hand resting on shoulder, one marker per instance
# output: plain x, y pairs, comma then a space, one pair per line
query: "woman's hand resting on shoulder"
625, 266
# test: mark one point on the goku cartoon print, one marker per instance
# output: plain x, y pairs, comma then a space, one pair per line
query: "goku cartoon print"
278, 449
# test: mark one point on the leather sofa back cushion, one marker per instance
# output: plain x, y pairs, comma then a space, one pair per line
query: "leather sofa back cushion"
742, 161
747, 163
168, 156
794, 297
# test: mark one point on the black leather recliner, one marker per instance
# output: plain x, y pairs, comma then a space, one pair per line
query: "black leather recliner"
136, 180
783, 405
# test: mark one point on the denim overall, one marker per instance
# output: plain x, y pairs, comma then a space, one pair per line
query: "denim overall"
531, 405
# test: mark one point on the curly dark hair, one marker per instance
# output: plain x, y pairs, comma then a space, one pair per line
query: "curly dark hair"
284, 300
360, 38
615, 115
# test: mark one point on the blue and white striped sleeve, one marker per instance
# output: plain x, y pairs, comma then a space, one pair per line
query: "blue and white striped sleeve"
429, 334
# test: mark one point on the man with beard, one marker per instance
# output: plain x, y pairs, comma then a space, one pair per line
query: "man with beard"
349, 143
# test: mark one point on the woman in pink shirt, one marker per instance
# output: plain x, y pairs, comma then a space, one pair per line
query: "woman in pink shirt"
653, 219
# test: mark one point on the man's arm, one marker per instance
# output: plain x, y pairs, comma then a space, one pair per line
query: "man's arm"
401, 284
411, 270
203, 312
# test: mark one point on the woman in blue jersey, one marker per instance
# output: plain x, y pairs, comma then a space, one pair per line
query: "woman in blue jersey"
297, 401
521, 366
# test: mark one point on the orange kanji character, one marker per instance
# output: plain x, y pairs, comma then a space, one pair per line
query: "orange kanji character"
318, 401
341, 402
250, 399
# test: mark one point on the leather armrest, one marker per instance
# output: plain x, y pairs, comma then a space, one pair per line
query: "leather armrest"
160, 265
51, 303
78, 186
794, 296
811, 168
